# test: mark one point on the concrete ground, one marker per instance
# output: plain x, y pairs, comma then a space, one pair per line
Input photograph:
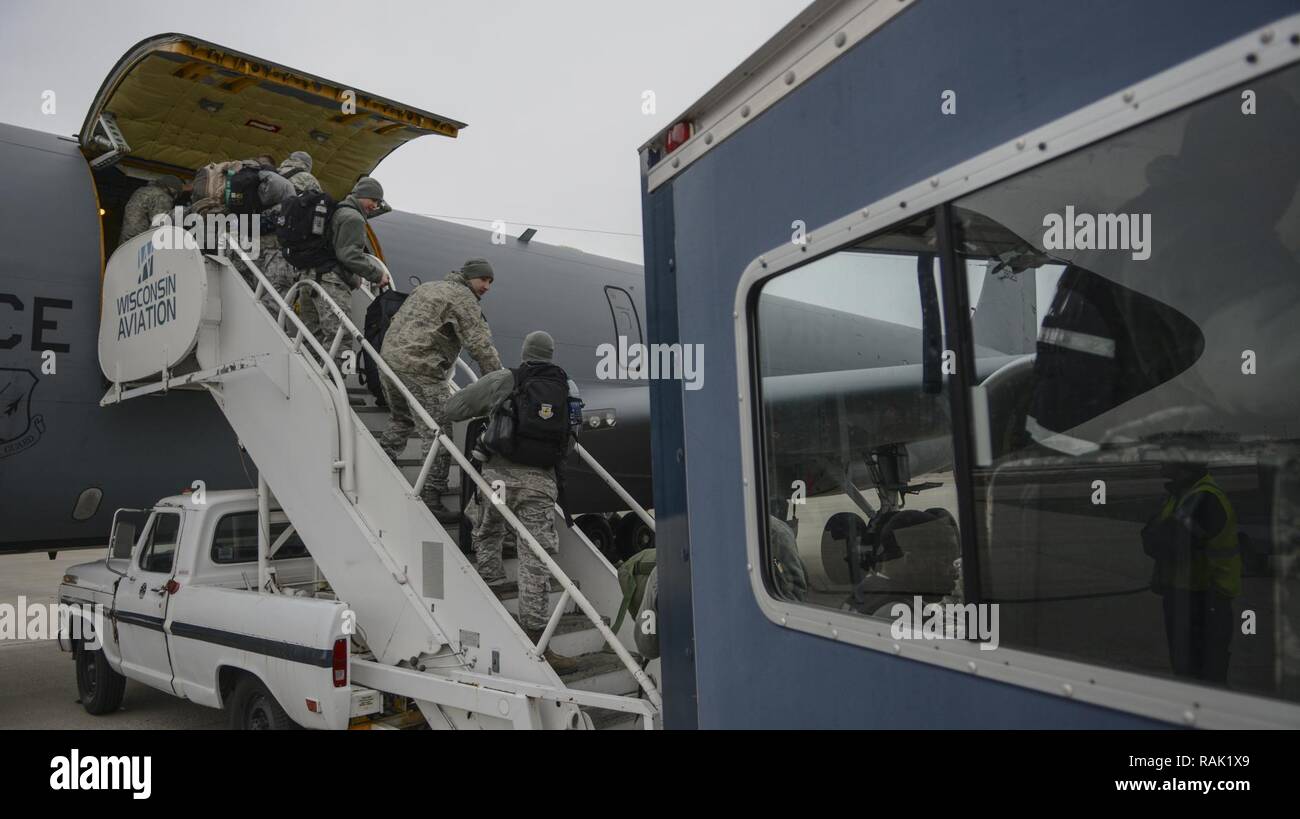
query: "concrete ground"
38, 688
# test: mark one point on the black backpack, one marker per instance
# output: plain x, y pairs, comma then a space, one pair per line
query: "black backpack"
304, 231
531, 425
378, 316
241, 191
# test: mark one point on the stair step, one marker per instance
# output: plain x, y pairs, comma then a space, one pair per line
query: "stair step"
508, 594
602, 719
601, 671
576, 636
510, 589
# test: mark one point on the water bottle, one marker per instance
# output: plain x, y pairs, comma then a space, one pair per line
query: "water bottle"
575, 405
318, 220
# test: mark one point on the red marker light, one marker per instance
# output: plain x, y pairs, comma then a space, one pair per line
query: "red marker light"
677, 135
172, 587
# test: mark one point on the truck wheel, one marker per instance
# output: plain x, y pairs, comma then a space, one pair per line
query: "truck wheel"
252, 708
99, 686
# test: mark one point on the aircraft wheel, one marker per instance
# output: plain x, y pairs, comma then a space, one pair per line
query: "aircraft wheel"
600, 533
939, 513
899, 520
99, 687
633, 536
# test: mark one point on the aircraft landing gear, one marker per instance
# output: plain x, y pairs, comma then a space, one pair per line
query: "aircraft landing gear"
632, 535
600, 533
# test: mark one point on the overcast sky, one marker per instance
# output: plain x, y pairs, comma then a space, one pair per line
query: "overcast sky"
551, 91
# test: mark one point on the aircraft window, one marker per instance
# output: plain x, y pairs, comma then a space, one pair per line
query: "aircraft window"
1138, 350
626, 323
860, 505
160, 547
235, 540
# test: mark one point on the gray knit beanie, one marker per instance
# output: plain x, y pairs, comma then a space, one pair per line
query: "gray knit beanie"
538, 346
368, 188
477, 269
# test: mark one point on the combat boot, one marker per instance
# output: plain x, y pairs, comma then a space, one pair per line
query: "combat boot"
559, 662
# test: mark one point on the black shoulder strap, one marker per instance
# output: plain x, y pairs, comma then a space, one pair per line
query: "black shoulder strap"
293, 173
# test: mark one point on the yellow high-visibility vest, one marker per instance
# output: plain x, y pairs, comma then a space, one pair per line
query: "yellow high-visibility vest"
1219, 564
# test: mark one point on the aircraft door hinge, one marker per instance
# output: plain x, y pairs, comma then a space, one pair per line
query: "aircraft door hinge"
109, 137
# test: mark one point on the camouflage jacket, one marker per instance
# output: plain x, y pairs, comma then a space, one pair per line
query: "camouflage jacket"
141, 208
433, 324
302, 180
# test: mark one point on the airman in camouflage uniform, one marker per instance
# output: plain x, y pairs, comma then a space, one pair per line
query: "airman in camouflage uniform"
272, 190
281, 274
529, 492
149, 201
354, 257
421, 346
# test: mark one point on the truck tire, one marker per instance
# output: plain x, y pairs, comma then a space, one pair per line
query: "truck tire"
253, 708
98, 685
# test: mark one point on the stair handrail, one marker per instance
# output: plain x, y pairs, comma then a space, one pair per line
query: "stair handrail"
442, 439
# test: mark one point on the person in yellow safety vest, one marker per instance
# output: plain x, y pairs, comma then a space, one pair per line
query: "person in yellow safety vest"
1197, 572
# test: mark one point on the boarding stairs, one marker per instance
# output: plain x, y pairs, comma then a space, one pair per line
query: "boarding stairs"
430, 629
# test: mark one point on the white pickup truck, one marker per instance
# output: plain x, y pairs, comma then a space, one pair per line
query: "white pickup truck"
181, 613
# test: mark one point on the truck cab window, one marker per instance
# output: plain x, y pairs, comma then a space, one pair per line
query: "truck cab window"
860, 503
160, 544
235, 540
1137, 484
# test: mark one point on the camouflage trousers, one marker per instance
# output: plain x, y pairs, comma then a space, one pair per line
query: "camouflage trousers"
529, 492
280, 274
432, 393
319, 318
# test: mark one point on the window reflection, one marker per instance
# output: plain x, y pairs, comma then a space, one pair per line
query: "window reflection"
1137, 492
857, 430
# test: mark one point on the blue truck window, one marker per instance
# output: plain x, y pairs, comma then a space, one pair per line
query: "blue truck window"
859, 495
1139, 493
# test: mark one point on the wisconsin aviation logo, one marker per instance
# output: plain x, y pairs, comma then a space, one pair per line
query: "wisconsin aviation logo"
18, 428
151, 304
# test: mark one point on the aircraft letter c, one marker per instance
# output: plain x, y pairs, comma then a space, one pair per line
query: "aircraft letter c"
11, 300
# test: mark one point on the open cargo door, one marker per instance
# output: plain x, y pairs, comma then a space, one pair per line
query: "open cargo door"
174, 103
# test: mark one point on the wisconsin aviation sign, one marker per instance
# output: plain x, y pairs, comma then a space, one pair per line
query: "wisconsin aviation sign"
154, 291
